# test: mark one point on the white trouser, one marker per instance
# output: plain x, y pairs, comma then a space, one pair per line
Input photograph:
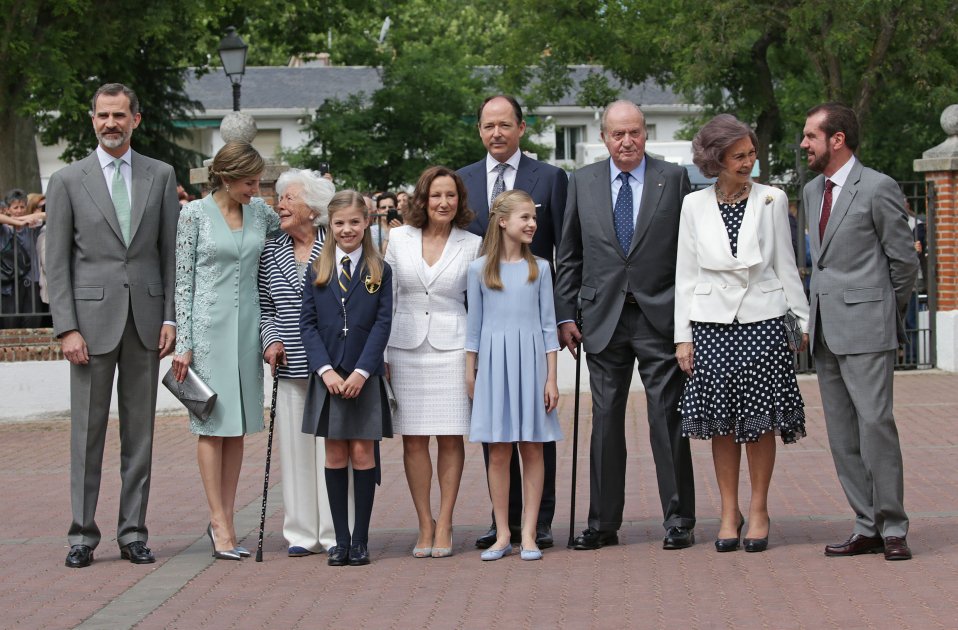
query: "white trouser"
308, 522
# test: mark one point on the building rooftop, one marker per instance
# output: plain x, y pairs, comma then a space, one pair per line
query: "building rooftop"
308, 87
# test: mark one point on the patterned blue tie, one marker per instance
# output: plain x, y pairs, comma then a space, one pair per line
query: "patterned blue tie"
498, 186
622, 213
345, 277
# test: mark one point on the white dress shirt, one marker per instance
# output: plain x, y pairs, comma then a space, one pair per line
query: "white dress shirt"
108, 168
838, 179
508, 175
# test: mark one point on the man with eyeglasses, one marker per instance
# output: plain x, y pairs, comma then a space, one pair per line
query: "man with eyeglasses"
617, 260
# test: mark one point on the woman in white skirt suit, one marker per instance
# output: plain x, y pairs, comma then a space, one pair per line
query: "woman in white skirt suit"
430, 256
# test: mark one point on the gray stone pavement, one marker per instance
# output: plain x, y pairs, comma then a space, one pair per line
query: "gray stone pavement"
634, 585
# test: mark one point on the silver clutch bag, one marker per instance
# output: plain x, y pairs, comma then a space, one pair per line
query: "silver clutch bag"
390, 396
195, 395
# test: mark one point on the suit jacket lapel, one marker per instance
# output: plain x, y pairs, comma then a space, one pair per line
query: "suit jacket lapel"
651, 194
286, 259
357, 282
600, 189
451, 251
95, 185
749, 252
527, 175
142, 181
841, 204
414, 253
479, 203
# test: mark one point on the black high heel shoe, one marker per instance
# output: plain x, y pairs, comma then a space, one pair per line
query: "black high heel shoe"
232, 554
756, 545
723, 545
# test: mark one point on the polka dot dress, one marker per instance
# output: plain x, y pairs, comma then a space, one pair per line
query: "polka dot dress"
743, 383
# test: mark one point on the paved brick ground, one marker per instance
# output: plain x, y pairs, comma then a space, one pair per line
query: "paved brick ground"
635, 585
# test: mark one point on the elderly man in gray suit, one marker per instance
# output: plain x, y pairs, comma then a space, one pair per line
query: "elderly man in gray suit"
617, 259
110, 263
863, 270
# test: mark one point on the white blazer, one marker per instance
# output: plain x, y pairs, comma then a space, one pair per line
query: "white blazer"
760, 282
435, 309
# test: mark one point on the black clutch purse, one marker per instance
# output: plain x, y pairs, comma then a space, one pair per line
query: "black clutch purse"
193, 392
793, 330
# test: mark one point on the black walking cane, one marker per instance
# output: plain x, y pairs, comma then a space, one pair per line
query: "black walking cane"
269, 453
575, 426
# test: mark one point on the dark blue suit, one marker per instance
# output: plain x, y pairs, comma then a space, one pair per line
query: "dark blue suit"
368, 317
547, 185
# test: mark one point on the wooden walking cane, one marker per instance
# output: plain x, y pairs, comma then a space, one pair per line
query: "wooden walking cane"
575, 426
269, 453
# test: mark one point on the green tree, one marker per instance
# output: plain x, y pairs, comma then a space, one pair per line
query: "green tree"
768, 62
437, 65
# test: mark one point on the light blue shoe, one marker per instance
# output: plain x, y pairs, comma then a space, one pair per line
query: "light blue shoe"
242, 551
495, 554
530, 554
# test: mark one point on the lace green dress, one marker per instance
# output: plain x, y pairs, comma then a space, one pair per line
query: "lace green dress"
217, 310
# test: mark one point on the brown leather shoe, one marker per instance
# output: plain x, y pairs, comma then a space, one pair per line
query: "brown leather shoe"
856, 545
896, 548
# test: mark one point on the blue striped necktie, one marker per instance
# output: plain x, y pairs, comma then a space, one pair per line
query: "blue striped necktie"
345, 277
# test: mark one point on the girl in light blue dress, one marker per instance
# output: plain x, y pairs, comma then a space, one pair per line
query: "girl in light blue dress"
511, 349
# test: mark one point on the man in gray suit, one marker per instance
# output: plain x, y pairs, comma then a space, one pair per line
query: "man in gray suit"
863, 270
617, 259
110, 263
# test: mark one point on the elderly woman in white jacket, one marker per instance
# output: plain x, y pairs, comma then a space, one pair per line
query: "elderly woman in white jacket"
735, 280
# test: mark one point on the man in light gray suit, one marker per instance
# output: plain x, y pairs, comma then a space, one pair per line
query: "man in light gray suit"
863, 270
110, 263
617, 259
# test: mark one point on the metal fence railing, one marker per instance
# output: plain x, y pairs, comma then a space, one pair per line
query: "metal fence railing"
21, 305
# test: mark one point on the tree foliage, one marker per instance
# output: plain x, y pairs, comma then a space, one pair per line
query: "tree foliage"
436, 66
767, 62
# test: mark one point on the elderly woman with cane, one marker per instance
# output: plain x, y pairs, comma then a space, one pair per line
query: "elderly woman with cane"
303, 200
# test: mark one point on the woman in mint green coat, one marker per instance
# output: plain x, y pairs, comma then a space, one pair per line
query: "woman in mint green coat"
218, 244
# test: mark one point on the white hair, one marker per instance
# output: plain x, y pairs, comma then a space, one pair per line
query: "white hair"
317, 191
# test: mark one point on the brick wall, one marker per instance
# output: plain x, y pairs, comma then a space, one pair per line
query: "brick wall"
946, 237
28, 344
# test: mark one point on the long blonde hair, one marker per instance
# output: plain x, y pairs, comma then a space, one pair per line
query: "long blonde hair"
325, 264
504, 205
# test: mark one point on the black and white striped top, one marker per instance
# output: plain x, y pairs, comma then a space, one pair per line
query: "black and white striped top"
281, 298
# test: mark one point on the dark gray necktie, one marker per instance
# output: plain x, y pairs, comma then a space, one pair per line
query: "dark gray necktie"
498, 186
622, 214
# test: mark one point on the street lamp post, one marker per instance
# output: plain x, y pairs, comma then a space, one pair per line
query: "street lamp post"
232, 51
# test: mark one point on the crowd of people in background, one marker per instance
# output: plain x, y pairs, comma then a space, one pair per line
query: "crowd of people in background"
442, 314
